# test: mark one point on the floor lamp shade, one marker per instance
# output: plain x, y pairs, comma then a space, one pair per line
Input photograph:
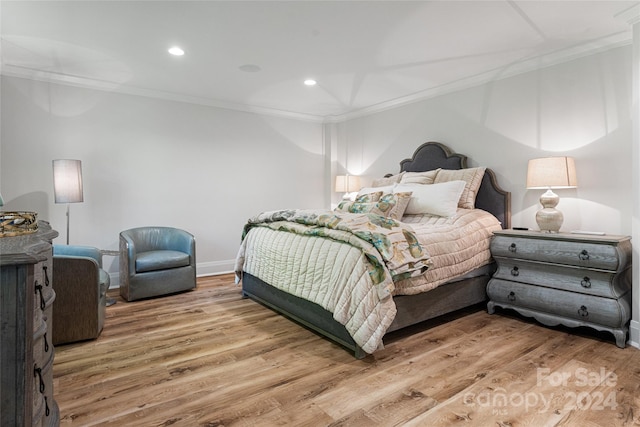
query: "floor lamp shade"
67, 181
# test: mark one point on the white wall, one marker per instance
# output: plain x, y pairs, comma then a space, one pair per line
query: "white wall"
579, 108
153, 162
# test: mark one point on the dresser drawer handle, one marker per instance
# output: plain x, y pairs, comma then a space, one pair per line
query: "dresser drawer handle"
514, 271
512, 296
585, 282
46, 275
512, 247
38, 290
584, 255
583, 311
38, 372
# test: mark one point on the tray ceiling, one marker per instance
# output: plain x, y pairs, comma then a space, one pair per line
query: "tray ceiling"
255, 55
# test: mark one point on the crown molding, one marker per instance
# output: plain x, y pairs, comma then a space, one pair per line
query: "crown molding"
518, 67
101, 85
630, 15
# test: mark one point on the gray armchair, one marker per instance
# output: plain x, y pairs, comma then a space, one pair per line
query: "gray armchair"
81, 288
156, 261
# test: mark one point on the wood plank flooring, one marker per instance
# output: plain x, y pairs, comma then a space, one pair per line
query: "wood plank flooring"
211, 358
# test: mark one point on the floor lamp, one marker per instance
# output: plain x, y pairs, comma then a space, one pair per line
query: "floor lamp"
67, 183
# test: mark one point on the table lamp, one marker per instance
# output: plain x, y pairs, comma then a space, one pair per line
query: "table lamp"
347, 184
551, 172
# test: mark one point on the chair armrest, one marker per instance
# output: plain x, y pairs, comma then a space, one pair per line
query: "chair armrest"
78, 251
127, 254
76, 280
80, 305
183, 241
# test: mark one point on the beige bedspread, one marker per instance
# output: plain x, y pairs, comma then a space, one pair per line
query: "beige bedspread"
457, 245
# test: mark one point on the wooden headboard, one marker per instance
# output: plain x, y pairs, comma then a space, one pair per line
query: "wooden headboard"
491, 198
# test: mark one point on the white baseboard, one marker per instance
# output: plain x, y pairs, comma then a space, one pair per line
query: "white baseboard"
203, 269
215, 267
634, 334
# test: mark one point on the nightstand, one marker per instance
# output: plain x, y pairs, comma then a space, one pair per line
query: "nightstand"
561, 278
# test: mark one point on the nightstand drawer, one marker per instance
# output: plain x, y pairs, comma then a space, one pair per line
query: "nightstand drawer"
562, 304
582, 254
568, 278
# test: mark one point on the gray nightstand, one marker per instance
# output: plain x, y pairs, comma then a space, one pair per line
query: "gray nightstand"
561, 278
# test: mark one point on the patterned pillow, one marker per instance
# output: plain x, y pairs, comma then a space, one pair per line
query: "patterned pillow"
390, 206
368, 196
473, 178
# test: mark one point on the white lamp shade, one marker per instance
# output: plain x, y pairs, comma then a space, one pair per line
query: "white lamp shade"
552, 172
347, 183
67, 181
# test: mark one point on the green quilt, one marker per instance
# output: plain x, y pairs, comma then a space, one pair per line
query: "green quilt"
390, 246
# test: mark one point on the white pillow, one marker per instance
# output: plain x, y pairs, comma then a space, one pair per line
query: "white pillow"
473, 178
436, 199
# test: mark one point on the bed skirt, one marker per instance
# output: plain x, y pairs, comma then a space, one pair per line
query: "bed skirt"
412, 309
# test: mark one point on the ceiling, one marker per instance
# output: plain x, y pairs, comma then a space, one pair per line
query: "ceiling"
255, 55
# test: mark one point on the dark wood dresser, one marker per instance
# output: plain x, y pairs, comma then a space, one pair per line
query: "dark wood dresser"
26, 351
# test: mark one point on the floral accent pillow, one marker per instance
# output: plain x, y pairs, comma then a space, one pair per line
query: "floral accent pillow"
391, 205
367, 195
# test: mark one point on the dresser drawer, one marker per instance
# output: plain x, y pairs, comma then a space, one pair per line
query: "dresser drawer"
568, 278
583, 308
582, 254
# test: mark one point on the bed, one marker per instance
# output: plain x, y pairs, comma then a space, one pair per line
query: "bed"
278, 282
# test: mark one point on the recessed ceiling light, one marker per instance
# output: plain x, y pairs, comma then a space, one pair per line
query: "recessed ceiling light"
310, 82
250, 68
176, 51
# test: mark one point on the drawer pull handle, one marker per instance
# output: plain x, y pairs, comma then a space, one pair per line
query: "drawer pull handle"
585, 282
512, 296
583, 311
38, 371
512, 247
514, 271
47, 411
584, 255
46, 275
38, 290
46, 343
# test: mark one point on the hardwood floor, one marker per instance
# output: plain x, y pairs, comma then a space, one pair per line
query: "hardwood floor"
210, 358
